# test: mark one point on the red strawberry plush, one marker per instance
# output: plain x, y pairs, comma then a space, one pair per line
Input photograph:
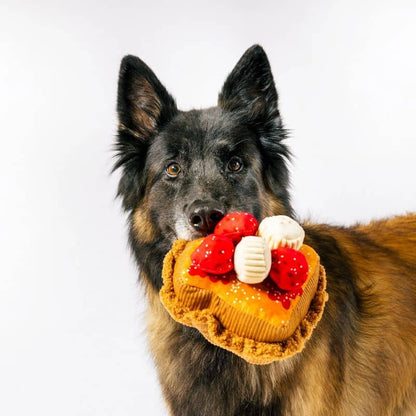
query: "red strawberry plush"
214, 255
237, 225
289, 268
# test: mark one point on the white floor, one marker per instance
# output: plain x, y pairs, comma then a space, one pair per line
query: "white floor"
71, 325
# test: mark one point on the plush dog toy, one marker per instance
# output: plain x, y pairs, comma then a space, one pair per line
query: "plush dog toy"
256, 291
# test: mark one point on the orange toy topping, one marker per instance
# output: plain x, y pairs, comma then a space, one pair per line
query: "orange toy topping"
263, 300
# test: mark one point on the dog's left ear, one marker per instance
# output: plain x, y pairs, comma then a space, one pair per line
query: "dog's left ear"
249, 93
250, 89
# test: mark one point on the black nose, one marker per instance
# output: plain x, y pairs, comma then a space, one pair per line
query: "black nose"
204, 216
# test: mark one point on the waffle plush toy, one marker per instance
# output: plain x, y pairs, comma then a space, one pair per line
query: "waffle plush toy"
256, 291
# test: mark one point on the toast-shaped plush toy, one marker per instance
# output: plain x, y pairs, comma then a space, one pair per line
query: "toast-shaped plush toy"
255, 291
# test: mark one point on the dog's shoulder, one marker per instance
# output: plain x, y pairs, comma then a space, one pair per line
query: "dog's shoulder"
372, 264
392, 238
397, 234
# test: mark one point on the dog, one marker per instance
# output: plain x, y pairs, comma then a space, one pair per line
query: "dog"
180, 173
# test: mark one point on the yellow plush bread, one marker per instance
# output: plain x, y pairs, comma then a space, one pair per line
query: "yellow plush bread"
240, 317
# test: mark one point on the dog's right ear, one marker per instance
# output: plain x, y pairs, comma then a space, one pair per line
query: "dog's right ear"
144, 107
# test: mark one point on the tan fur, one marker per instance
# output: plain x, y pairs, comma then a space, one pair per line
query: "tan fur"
384, 255
147, 116
122, 128
272, 205
142, 225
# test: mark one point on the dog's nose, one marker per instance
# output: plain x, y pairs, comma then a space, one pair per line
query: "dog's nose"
204, 216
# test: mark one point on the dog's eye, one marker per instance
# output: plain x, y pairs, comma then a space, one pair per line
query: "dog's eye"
235, 164
173, 170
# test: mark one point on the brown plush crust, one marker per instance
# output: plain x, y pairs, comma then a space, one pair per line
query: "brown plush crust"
253, 351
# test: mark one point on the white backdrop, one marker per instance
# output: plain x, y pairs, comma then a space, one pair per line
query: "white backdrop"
71, 324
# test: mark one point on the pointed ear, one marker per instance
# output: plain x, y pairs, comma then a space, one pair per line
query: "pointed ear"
249, 92
250, 89
143, 103
143, 107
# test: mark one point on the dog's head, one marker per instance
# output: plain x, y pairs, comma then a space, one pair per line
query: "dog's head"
182, 171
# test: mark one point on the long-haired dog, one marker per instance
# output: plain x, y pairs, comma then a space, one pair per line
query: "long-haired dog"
180, 172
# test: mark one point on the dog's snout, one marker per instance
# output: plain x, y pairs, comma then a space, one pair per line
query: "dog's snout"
204, 216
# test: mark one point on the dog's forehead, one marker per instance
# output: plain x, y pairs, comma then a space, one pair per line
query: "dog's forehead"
201, 129
208, 120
